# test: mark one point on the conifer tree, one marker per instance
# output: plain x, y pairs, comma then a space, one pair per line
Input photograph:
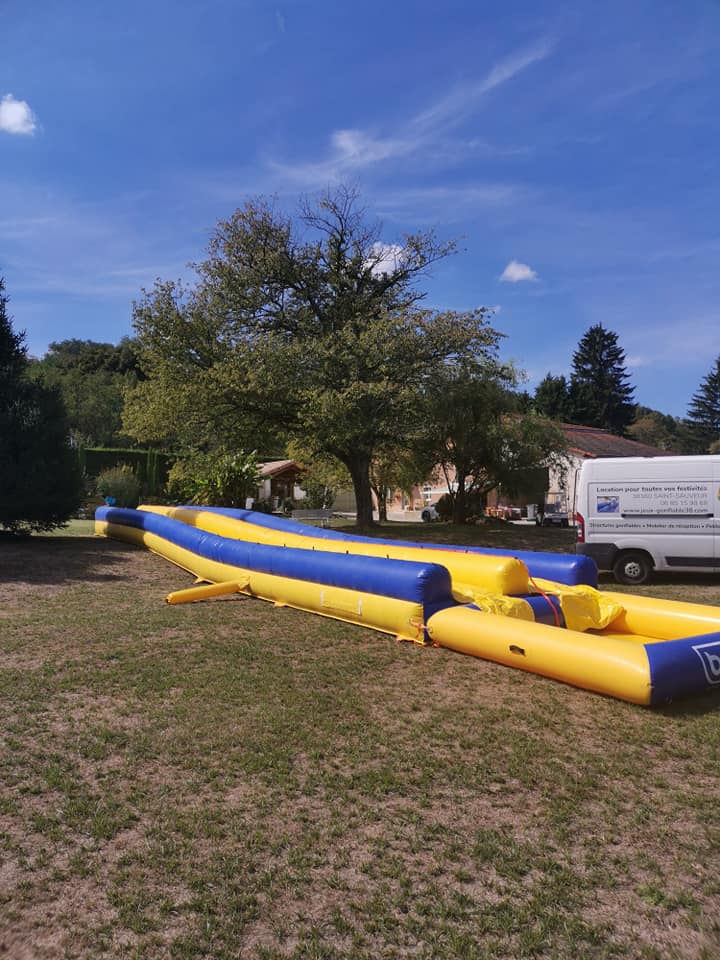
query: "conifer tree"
600, 394
40, 486
13, 359
703, 419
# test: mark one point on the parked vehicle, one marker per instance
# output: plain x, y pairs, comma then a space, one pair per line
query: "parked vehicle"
552, 515
639, 514
429, 513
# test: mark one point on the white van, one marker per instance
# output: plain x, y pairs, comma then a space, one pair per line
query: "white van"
636, 514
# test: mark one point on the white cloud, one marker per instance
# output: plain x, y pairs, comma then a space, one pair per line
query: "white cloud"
386, 258
353, 150
16, 116
359, 149
456, 105
451, 204
638, 360
350, 152
516, 272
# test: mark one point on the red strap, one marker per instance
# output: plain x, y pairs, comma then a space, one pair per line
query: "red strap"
552, 605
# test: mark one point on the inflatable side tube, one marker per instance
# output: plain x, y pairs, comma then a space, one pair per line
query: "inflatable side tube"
403, 619
681, 668
609, 666
569, 568
426, 583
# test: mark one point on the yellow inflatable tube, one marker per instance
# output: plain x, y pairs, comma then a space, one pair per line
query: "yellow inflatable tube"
603, 664
469, 572
663, 619
401, 618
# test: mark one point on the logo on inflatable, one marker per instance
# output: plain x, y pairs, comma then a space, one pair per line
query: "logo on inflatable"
709, 654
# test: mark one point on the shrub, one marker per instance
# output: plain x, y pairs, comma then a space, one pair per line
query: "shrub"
318, 495
120, 484
40, 481
444, 507
221, 478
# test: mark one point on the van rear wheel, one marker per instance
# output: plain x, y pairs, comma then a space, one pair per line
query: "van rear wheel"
632, 567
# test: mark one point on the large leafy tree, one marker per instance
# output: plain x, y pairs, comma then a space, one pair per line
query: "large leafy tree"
91, 378
41, 482
476, 431
703, 417
600, 394
309, 329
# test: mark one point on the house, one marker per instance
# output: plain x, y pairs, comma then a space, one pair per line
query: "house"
583, 443
545, 485
278, 482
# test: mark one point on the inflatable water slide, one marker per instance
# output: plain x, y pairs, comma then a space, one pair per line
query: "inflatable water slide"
539, 612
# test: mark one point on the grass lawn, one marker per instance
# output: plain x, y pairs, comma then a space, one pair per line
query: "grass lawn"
233, 780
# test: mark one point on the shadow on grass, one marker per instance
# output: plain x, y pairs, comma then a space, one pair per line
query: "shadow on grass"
57, 560
697, 706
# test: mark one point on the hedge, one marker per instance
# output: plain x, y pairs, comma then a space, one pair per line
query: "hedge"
150, 466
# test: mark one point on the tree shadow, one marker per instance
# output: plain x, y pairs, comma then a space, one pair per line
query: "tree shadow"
55, 560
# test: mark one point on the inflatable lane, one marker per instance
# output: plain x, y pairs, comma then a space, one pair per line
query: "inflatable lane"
634, 648
562, 568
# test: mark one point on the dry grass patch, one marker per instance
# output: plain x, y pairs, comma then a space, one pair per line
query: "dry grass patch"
230, 779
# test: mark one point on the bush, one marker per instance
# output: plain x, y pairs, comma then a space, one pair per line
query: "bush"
120, 484
150, 466
318, 495
444, 507
40, 481
220, 478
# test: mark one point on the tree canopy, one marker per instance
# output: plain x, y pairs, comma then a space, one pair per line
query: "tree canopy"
479, 435
310, 329
658, 429
552, 398
91, 378
40, 486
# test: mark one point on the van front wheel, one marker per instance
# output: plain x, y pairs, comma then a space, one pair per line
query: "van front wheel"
632, 567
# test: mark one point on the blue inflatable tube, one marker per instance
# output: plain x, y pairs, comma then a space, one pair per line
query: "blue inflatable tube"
680, 668
425, 583
566, 568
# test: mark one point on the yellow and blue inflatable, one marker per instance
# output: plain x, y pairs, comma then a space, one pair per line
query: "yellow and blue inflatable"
539, 612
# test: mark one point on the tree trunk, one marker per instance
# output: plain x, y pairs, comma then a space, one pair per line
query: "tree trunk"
460, 501
379, 492
359, 467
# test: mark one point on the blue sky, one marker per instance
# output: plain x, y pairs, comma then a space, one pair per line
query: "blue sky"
571, 148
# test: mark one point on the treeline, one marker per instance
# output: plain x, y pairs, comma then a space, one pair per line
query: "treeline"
598, 393
308, 335
92, 379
